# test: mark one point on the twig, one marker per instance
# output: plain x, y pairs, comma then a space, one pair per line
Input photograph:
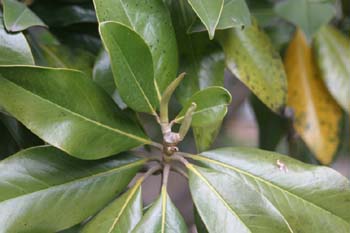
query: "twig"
180, 171
166, 172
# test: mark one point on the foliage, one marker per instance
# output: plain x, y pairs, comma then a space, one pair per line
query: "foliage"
80, 80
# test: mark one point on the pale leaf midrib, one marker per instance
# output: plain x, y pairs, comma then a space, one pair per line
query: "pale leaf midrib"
266, 182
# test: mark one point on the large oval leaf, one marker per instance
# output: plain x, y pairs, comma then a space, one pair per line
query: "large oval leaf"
209, 13
309, 15
317, 115
132, 66
230, 205
45, 190
309, 198
14, 49
151, 20
121, 216
234, 15
332, 53
162, 217
18, 17
253, 59
67, 110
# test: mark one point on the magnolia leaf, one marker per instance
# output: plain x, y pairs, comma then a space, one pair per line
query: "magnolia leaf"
309, 15
253, 59
151, 20
332, 53
8, 145
67, 110
201, 59
211, 106
121, 216
304, 197
231, 202
14, 49
18, 17
206, 135
53, 191
209, 13
162, 217
235, 14
317, 115
131, 65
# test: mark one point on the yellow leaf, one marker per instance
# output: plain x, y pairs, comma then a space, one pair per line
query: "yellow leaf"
317, 115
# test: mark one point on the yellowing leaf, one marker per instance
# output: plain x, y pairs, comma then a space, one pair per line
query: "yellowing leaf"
317, 115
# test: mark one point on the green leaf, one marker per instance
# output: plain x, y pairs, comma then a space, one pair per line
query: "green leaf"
235, 14
151, 20
332, 54
131, 65
162, 217
211, 106
8, 146
45, 190
67, 110
18, 17
205, 136
230, 205
200, 58
253, 59
121, 216
308, 198
209, 13
103, 76
14, 49
309, 15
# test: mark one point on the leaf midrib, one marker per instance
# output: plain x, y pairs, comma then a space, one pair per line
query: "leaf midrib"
82, 117
118, 169
268, 183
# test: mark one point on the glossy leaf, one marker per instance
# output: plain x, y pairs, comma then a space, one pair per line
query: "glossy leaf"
14, 49
235, 14
18, 17
230, 201
67, 110
52, 191
252, 58
132, 66
317, 115
103, 76
151, 20
201, 59
162, 217
309, 15
8, 146
332, 53
209, 13
121, 216
307, 198
205, 135
211, 106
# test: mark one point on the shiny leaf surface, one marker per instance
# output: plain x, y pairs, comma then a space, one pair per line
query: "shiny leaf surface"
211, 106
121, 216
317, 115
309, 198
253, 59
332, 54
205, 136
309, 15
151, 20
18, 17
235, 14
228, 200
162, 217
14, 49
45, 190
132, 66
67, 110
209, 13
